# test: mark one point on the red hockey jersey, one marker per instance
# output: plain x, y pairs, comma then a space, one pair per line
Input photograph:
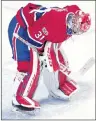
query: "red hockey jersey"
45, 24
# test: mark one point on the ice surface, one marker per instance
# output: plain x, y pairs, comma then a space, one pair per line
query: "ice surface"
78, 50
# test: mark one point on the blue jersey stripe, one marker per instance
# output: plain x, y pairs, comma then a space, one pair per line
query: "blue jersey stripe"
39, 14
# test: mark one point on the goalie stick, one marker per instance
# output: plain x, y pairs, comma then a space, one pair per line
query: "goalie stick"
77, 75
63, 68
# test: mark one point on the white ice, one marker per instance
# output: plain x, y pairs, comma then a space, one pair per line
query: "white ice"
78, 50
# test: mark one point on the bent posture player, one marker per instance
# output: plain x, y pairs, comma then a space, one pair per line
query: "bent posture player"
39, 25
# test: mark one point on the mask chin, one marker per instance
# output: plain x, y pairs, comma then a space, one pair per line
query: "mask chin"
76, 30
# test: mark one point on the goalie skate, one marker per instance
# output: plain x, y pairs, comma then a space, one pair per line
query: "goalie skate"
25, 110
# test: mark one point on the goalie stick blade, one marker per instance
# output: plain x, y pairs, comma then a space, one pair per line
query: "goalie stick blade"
87, 66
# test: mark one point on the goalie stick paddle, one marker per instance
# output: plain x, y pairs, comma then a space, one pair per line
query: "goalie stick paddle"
63, 68
87, 66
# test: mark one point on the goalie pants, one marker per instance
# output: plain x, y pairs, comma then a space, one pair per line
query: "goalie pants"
27, 60
20, 51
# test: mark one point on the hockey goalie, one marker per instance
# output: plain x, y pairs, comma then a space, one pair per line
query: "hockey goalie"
45, 29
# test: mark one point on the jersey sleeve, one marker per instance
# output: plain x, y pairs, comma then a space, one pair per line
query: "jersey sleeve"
28, 13
25, 15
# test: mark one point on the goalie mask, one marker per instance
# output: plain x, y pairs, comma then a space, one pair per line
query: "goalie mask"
78, 23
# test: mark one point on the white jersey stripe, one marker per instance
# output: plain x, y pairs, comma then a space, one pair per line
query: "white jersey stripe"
15, 43
24, 17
